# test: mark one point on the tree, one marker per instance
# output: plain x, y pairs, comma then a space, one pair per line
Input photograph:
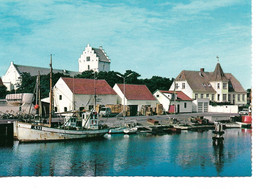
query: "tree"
3, 91
28, 83
157, 82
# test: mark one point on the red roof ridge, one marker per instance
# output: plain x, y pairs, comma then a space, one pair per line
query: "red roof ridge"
86, 86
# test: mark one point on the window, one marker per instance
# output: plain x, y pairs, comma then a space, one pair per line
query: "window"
60, 97
185, 105
157, 96
224, 97
183, 85
176, 85
218, 85
207, 95
238, 97
65, 109
196, 96
212, 97
88, 67
201, 95
88, 58
103, 67
243, 97
224, 85
229, 97
55, 109
218, 97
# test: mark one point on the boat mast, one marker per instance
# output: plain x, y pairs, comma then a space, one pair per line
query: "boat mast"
51, 94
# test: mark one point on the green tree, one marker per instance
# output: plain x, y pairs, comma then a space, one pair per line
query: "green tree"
3, 91
157, 82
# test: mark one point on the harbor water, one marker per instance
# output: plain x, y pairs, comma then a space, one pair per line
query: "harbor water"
189, 153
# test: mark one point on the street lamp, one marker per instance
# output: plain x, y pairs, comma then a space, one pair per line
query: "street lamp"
124, 77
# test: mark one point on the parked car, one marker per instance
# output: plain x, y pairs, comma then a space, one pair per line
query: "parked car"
105, 111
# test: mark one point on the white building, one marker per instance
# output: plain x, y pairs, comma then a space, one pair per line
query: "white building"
174, 101
78, 94
94, 59
216, 86
134, 96
12, 77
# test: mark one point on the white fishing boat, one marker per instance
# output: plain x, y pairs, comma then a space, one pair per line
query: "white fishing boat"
132, 130
117, 130
75, 126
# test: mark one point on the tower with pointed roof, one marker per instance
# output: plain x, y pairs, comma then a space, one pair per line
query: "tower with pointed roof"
94, 59
219, 83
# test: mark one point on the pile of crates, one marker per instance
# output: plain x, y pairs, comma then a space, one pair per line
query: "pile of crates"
147, 110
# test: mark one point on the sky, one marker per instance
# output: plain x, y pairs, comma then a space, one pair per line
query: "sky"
150, 37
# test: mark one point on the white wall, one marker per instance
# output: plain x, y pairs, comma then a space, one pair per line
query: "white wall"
188, 108
188, 91
224, 109
61, 88
162, 99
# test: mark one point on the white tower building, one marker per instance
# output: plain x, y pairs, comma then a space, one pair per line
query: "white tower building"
94, 59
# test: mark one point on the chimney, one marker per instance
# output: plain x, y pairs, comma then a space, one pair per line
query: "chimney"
201, 70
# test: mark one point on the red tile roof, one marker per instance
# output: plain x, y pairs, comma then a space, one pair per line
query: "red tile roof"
136, 92
86, 86
180, 95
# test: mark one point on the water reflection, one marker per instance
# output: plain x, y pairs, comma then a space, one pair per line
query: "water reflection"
186, 154
219, 157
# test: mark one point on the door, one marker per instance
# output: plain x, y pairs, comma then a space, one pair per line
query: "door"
178, 109
133, 110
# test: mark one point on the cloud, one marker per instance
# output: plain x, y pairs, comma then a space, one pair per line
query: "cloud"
152, 39
198, 6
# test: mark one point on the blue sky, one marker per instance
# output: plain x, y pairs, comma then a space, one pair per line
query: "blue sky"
150, 37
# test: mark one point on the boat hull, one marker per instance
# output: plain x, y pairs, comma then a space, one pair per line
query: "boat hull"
27, 132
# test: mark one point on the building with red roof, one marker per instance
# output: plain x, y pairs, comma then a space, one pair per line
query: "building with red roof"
134, 95
174, 101
79, 94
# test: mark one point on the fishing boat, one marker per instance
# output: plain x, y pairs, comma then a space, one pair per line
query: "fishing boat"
132, 130
74, 127
117, 130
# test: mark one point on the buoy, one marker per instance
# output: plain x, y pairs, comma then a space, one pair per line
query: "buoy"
36, 106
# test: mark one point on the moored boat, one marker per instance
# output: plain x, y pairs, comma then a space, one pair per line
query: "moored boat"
132, 130
117, 130
36, 132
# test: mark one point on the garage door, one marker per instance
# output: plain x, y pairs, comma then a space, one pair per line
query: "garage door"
206, 106
200, 104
